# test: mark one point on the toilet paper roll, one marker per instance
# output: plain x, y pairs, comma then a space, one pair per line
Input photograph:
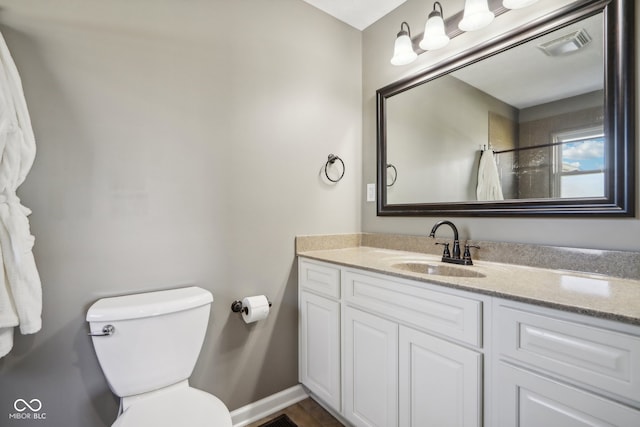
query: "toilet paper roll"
255, 308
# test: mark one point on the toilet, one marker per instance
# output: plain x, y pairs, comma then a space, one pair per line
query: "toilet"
147, 345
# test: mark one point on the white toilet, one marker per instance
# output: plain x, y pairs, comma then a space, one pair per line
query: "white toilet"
147, 345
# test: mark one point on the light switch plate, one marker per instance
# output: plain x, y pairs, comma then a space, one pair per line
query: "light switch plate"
371, 192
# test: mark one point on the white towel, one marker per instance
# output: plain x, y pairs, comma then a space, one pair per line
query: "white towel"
20, 288
489, 187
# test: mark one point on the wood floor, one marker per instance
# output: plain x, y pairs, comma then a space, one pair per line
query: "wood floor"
306, 413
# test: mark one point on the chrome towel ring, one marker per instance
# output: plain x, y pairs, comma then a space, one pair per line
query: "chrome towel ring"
331, 160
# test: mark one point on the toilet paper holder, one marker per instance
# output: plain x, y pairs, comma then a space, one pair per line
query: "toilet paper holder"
237, 307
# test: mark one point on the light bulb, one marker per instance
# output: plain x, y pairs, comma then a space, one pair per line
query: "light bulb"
476, 15
435, 36
403, 52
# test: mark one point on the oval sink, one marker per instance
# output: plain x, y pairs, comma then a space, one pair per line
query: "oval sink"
437, 269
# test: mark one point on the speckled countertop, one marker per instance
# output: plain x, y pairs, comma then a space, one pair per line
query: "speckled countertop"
587, 293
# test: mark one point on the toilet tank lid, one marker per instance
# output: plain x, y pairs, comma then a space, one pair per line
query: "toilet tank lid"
148, 304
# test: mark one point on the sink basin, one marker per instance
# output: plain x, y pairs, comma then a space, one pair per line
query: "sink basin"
437, 269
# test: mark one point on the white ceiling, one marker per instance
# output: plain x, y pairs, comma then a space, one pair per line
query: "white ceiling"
357, 13
529, 77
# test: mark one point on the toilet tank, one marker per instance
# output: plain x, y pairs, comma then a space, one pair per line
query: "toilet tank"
156, 339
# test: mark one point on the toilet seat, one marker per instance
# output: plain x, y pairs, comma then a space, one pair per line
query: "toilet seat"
185, 406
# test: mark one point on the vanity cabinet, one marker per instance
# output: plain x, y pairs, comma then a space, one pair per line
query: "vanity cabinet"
319, 331
398, 376
411, 353
556, 369
413, 338
385, 351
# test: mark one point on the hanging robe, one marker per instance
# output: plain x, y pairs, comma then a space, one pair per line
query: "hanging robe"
20, 288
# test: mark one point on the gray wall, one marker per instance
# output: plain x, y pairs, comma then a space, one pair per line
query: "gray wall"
378, 72
178, 143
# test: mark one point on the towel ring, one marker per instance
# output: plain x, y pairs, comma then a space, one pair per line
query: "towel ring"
395, 174
331, 160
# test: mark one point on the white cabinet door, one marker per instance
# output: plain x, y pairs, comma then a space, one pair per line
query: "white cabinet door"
440, 382
320, 347
370, 370
526, 399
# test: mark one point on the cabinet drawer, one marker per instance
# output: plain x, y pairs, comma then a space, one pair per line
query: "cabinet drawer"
526, 399
322, 279
449, 315
586, 354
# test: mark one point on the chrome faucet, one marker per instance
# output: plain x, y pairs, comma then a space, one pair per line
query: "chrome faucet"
455, 257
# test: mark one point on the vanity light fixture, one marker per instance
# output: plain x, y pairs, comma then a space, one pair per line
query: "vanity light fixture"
403, 52
435, 36
517, 4
476, 15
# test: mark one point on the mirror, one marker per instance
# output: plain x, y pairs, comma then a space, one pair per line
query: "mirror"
537, 122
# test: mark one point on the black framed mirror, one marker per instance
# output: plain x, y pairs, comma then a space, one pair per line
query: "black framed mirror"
540, 121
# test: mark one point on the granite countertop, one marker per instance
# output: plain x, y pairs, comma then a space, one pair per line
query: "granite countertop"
596, 295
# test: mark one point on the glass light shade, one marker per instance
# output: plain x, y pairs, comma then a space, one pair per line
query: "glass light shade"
434, 34
403, 52
476, 15
517, 4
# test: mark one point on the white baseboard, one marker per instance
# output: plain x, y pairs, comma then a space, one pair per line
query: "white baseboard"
267, 406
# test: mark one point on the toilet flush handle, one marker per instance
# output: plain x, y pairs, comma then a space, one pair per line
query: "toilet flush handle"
107, 331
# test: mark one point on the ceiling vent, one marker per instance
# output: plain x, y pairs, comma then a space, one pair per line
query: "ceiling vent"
566, 44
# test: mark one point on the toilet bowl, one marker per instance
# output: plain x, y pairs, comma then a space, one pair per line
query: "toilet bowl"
147, 346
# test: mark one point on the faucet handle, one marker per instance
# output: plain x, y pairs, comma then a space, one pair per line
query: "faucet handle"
446, 253
467, 253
